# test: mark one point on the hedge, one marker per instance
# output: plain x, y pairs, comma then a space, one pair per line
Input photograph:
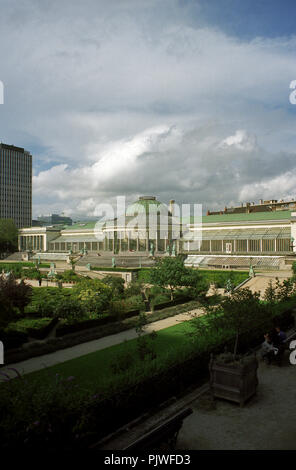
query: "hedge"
13, 338
128, 400
128, 403
172, 303
41, 333
104, 319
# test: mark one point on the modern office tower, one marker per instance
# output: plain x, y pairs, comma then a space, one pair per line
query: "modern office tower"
16, 185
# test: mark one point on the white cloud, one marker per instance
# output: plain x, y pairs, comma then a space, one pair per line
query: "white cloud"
129, 97
240, 140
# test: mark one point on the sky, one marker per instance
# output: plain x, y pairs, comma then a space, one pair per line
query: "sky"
181, 99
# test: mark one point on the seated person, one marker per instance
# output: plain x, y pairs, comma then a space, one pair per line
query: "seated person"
281, 335
268, 351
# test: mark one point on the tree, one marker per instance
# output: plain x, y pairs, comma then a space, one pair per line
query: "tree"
116, 284
7, 311
19, 295
171, 273
239, 313
8, 236
168, 273
93, 294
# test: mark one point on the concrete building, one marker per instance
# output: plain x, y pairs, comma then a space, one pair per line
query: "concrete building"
54, 219
37, 238
16, 185
263, 206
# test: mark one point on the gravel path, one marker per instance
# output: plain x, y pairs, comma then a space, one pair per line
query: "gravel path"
266, 422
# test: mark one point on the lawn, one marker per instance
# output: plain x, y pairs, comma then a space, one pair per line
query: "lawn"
218, 276
94, 371
26, 323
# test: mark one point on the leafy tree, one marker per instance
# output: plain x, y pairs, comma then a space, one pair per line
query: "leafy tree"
7, 311
8, 236
71, 309
116, 284
270, 293
94, 294
239, 313
19, 295
168, 273
171, 273
134, 288
285, 289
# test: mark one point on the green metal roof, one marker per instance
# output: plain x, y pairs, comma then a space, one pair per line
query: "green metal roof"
146, 205
253, 216
242, 234
81, 226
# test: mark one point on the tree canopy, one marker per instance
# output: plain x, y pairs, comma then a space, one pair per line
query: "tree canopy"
8, 236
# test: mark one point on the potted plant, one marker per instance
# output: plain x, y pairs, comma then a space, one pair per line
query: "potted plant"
233, 376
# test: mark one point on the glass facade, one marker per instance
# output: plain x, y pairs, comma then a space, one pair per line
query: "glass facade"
16, 185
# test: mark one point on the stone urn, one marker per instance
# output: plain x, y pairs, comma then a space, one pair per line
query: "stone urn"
233, 380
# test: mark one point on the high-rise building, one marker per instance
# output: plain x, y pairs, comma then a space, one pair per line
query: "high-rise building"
54, 219
16, 185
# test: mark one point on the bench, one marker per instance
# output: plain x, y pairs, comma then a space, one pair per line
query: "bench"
162, 435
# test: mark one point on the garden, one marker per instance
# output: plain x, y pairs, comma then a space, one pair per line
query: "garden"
69, 405
90, 303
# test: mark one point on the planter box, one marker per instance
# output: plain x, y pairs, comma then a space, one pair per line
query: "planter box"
233, 382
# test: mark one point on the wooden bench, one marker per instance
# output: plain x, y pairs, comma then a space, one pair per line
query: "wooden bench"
162, 435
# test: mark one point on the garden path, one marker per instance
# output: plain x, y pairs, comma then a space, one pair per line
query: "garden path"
62, 355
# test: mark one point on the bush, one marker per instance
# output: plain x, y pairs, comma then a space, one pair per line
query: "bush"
134, 302
134, 288
12, 338
160, 299
68, 276
37, 328
116, 284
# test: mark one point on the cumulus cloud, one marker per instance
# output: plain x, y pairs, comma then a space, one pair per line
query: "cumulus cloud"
240, 140
133, 97
189, 166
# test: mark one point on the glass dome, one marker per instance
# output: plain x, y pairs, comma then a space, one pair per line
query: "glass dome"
146, 204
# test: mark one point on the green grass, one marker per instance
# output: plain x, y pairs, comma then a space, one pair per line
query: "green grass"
22, 264
120, 270
219, 276
94, 373
25, 323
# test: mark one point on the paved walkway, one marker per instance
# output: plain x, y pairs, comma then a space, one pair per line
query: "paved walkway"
261, 281
57, 357
266, 422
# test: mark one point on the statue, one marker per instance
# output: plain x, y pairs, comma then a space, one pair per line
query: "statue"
51, 272
229, 286
88, 266
113, 262
151, 251
174, 249
251, 271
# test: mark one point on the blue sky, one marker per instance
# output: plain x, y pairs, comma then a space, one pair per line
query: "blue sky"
246, 19
182, 99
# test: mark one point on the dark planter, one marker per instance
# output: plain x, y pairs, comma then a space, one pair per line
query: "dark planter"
233, 382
